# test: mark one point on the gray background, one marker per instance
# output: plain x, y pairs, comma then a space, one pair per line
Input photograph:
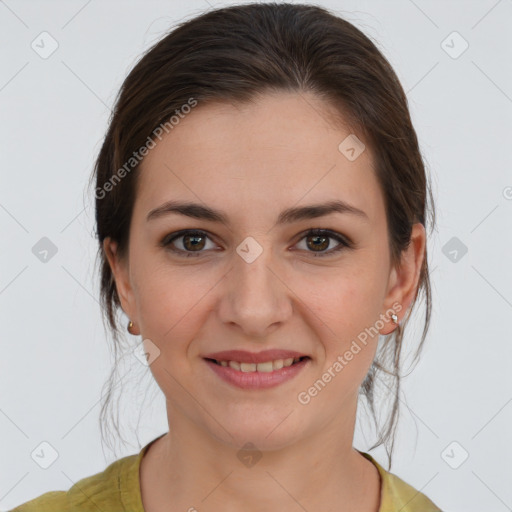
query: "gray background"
54, 112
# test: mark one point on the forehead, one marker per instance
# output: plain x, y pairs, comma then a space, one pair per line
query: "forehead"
263, 156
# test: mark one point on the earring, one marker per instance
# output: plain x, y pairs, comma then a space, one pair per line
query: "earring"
394, 317
130, 327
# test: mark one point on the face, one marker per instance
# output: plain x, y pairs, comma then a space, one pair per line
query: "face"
259, 281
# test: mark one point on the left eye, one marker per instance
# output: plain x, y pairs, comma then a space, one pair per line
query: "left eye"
320, 239
193, 241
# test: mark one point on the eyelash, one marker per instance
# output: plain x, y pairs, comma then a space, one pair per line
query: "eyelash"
343, 242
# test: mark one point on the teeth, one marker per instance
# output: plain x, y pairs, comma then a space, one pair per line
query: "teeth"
248, 367
277, 365
266, 367
234, 365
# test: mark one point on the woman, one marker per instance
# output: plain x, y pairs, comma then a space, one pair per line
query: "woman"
261, 207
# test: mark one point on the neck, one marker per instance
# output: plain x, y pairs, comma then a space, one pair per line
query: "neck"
188, 469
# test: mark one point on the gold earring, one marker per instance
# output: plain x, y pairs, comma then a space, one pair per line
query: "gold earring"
130, 327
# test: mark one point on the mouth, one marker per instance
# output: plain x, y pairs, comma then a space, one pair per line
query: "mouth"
263, 367
257, 376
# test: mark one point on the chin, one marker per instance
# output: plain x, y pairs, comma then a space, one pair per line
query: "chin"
264, 432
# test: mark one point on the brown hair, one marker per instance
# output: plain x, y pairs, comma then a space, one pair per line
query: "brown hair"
234, 54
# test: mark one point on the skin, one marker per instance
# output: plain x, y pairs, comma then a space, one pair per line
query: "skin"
252, 161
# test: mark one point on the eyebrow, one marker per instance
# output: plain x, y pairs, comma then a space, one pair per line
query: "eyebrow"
288, 216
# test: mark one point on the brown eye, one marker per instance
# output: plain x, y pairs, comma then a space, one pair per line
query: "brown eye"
318, 240
193, 242
189, 243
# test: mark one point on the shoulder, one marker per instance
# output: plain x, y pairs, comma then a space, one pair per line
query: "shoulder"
396, 494
101, 491
409, 498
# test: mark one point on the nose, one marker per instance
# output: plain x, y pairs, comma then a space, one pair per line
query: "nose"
255, 298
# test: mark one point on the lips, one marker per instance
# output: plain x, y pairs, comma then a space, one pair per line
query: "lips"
243, 356
260, 375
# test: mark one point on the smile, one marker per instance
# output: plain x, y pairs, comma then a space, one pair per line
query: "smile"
262, 375
265, 367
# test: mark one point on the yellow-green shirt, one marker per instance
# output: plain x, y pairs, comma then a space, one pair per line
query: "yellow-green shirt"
117, 489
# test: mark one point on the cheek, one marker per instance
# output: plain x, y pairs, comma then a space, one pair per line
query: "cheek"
171, 303
346, 302
344, 312
350, 309
170, 316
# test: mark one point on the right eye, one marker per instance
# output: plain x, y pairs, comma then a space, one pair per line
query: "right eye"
192, 242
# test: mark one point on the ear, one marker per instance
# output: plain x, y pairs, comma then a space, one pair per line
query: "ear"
121, 274
403, 281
